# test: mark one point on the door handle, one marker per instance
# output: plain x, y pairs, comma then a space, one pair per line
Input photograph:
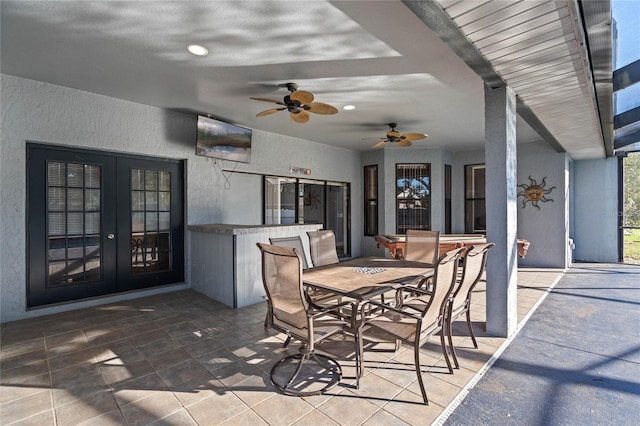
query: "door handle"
111, 236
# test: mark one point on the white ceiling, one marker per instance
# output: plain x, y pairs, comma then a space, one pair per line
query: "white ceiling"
376, 55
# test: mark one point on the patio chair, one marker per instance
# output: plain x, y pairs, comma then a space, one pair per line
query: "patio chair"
417, 318
475, 261
322, 247
308, 372
318, 296
294, 242
422, 246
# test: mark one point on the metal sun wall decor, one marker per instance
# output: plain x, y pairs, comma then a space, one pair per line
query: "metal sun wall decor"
535, 192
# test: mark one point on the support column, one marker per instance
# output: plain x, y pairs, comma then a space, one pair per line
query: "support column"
501, 207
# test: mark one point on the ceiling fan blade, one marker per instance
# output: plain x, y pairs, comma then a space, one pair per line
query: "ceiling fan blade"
275, 101
379, 144
393, 134
301, 116
320, 108
414, 136
302, 96
269, 112
404, 142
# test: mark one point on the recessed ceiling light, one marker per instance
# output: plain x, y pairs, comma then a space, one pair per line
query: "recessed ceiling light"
197, 50
349, 107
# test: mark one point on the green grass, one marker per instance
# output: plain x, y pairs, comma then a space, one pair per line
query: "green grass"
632, 246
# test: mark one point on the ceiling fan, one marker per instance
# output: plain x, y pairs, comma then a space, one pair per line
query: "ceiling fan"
399, 139
299, 104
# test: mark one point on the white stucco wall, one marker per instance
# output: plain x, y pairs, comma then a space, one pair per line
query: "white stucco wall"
35, 111
595, 213
547, 228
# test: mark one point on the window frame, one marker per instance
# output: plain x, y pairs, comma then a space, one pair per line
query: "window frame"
425, 220
370, 202
469, 223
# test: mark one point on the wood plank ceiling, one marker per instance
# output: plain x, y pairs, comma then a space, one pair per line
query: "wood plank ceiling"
539, 49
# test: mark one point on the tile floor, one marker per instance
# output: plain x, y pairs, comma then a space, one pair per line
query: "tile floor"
184, 359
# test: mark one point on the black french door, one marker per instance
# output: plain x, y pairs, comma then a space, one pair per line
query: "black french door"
101, 223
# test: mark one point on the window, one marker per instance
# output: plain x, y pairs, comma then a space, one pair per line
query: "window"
371, 200
290, 200
475, 216
413, 197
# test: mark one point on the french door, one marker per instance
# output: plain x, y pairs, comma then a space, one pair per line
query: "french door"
101, 223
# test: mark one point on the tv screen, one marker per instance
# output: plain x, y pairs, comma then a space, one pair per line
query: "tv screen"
218, 139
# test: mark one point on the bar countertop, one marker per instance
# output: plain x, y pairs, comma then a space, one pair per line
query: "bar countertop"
231, 229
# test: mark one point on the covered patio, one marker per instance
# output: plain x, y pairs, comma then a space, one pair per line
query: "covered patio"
182, 358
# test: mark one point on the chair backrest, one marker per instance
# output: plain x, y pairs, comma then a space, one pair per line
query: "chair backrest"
282, 279
322, 247
475, 261
444, 280
294, 242
422, 246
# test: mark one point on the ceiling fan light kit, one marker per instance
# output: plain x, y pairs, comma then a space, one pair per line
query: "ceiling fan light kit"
298, 103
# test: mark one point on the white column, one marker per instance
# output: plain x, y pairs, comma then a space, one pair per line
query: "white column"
501, 207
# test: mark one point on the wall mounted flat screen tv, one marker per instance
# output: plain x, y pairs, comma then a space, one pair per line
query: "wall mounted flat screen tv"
217, 139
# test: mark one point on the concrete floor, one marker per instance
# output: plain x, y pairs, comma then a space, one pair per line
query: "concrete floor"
575, 362
182, 358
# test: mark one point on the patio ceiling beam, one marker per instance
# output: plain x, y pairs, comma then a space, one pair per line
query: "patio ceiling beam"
597, 22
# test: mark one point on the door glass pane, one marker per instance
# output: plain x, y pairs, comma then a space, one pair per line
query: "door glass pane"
164, 223
75, 199
150, 213
137, 179
151, 180
73, 214
164, 181
75, 175
164, 203
151, 201
92, 199
91, 176
57, 199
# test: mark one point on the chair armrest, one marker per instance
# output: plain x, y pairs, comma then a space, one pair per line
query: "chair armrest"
415, 290
321, 310
387, 308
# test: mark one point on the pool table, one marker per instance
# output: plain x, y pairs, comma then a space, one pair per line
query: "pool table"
395, 243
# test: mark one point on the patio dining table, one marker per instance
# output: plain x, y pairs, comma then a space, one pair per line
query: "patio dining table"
365, 278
